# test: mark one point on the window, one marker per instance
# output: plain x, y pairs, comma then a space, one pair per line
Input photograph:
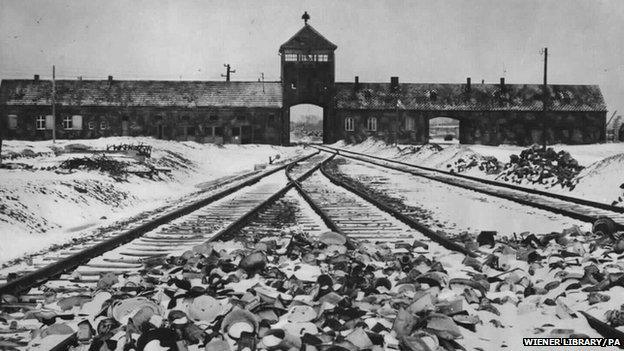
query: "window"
91, 125
103, 125
409, 123
306, 57
49, 122
77, 122
236, 131
217, 131
67, 122
212, 118
349, 124
372, 124
12, 122
40, 123
271, 118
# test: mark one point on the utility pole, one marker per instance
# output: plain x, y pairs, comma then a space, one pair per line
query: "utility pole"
262, 79
545, 98
53, 104
228, 71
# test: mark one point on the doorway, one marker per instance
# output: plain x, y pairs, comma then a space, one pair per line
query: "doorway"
306, 124
444, 130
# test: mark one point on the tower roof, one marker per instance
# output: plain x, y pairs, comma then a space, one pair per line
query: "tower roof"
308, 38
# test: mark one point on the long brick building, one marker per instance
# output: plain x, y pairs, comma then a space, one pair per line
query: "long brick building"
259, 112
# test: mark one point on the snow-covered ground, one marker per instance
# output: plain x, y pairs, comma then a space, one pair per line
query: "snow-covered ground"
599, 181
45, 205
455, 210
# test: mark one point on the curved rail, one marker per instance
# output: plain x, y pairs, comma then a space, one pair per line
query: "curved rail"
440, 239
419, 227
447, 178
63, 265
577, 200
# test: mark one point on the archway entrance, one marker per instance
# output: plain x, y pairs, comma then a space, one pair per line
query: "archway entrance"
444, 130
306, 124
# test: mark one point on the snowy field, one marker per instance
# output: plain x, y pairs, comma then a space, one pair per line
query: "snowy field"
599, 181
455, 210
42, 204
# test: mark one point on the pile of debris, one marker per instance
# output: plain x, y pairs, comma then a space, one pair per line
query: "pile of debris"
487, 164
115, 168
295, 292
537, 165
140, 149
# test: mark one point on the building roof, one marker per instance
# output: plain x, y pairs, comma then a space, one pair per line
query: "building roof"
308, 38
455, 97
409, 96
143, 93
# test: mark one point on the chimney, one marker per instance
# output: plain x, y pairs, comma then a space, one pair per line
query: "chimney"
36, 78
394, 83
80, 78
356, 86
110, 80
468, 84
502, 83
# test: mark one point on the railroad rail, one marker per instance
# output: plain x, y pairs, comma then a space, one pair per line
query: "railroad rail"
99, 246
318, 200
246, 208
216, 217
581, 209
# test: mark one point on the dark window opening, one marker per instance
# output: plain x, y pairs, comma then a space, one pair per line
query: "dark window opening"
217, 131
213, 118
12, 121
235, 131
190, 130
124, 118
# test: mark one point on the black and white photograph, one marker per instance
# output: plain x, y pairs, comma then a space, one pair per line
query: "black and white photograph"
311, 175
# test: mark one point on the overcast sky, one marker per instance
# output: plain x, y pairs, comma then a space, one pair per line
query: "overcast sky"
419, 41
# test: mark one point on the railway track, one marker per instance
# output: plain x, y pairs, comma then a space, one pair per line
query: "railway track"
581, 209
55, 263
304, 195
255, 209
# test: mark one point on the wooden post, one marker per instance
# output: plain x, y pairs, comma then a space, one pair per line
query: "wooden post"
228, 72
53, 104
545, 98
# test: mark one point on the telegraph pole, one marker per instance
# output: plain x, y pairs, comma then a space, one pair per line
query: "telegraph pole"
545, 97
53, 104
228, 71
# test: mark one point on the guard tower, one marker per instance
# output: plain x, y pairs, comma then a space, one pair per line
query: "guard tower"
308, 74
